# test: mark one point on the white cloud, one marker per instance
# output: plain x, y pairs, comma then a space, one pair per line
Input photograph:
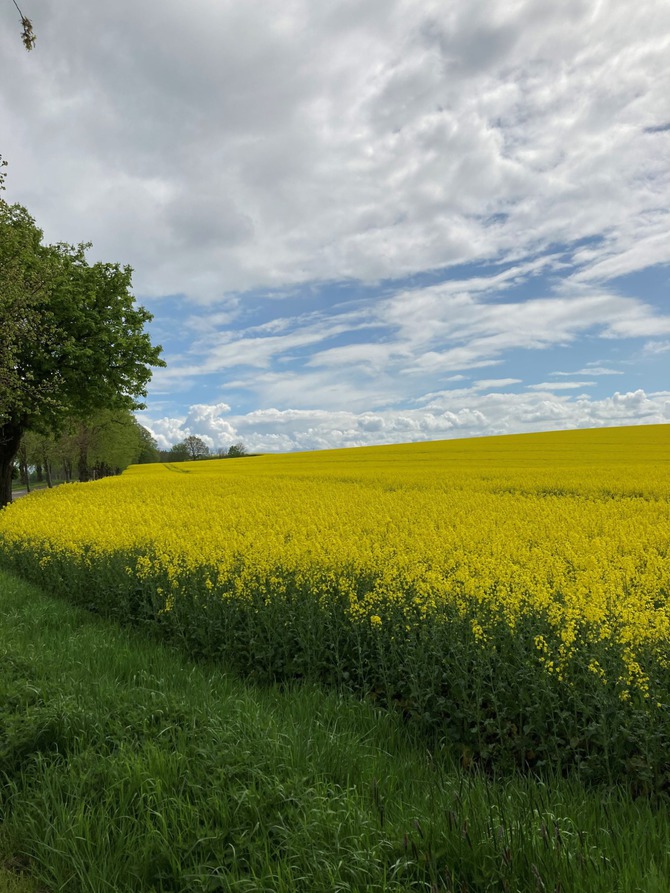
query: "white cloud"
560, 385
591, 369
491, 383
246, 145
458, 413
401, 344
246, 149
652, 348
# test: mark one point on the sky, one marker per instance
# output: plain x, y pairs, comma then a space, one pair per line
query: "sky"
363, 221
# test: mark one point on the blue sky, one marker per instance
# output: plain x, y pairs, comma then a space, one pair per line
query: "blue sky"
364, 222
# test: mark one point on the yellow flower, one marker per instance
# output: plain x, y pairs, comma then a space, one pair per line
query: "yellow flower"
569, 530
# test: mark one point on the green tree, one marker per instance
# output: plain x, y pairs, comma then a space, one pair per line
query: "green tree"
24, 469
178, 452
196, 447
40, 450
105, 443
148, 451
73, 339
236, 451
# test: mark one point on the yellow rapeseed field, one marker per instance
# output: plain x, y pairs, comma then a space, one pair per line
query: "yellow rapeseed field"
569, 528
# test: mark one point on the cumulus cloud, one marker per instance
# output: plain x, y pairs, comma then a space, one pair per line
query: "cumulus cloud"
339, 210
458, 413
245, 145
398, 345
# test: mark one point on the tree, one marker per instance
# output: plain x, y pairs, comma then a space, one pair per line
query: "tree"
178, 452
190, 448
196, 447
236, 451
99, 446
42, 452
148, 450
73, 339
24, 471
105, 443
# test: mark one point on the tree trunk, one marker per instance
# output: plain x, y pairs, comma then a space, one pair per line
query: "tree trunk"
10, 438
83, 470
47, 471
25, 472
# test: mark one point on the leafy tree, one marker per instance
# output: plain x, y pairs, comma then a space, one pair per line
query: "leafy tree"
40, 452
237, 450
190, 448
196, 447
148, 451
101, 445
106, 443
73, 339
178, 453
24, 472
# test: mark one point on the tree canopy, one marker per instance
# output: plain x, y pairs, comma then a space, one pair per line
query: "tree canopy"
236, 451
73, 338
196, 447
104, 444
190, 448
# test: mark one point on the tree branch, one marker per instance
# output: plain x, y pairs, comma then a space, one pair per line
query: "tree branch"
28, 36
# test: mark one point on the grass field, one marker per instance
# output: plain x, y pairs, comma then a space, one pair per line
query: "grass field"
128, 767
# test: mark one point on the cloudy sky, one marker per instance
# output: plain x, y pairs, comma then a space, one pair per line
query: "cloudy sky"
363, 221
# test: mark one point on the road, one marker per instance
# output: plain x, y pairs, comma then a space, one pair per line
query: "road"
17, 494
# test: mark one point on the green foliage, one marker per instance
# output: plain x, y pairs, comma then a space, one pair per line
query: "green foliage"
189, 449
236, 451
178, 453
148, 448
73, 339
492, 700
28, 37
105, 443
97, 355
24, 271
126, 767
196, 448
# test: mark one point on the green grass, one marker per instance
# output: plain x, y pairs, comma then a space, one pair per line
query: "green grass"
35, 485
11, 882
126, 767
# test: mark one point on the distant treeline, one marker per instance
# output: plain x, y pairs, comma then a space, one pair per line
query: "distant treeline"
103, 445
192, 448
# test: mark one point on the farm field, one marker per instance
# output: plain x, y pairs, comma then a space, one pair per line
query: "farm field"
508, 595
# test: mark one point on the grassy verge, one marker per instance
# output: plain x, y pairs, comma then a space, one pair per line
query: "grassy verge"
35, 485
124, 766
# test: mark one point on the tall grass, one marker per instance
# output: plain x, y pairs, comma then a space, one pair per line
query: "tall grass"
126, 766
